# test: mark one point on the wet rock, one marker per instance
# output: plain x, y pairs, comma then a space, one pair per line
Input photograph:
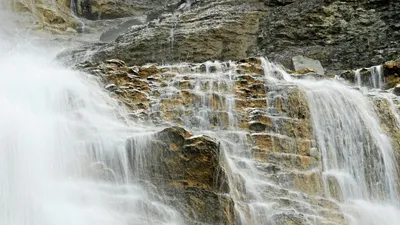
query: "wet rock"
298, 106
111, 87
111, 9
189, 169
341, 34
257, 126
269, 122
303, 64
391, 70
348, 75
133, 91
224, 30
396, 90
389, 122
54, 16
205, 207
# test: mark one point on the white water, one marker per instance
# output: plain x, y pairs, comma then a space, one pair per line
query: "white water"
375, 80
62, 144
63, 159
358, 159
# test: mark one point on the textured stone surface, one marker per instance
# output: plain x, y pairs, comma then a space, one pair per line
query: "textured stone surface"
188, 169
341, 34
110, 9
225, 30
54, 16
273, 125
301, 63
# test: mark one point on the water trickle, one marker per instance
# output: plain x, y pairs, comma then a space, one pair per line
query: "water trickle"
370, 78
377, 76
358, 77
73, 7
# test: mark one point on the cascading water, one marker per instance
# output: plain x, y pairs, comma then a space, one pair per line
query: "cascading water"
374, 79
358, 159
63, 158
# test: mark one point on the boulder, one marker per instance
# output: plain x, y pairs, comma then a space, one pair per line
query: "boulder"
396, 90
189, 169
391, 70
301, 63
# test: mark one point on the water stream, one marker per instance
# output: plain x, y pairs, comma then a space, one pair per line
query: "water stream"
64, 160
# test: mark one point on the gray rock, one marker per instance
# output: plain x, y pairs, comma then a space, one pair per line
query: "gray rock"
396, 90
111, 87
111, 9
340, 34
301, 63
224, 30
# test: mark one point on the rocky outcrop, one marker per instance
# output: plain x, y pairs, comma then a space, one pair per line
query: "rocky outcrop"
392, 73
384, 76
265, 121
111, 9
225, 30
386, 108
190, 171
341, 34
54, 16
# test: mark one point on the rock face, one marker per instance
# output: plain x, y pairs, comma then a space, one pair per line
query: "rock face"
262, 128
392, 73
301, 63
51, 15
225, 30
110, 9
341, 34
189, 170
385, 76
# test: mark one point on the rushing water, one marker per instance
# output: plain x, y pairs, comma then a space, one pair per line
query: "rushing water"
64, 160
62, 144
359, 165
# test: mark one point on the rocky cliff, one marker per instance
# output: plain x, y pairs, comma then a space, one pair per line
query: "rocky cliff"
238, 141
341, 34
262, 148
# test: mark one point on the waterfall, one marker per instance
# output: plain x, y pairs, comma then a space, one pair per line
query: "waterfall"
62, 145
375, 78
358, 159
73, 7
359, 165
294, 151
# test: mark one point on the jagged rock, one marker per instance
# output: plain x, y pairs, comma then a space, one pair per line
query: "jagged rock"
189, 169
271, 124
389, 123
304, 65
110, 9
225, 30
391, 70
396, 90
348, 75
54, 16
257, 126
341, 34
